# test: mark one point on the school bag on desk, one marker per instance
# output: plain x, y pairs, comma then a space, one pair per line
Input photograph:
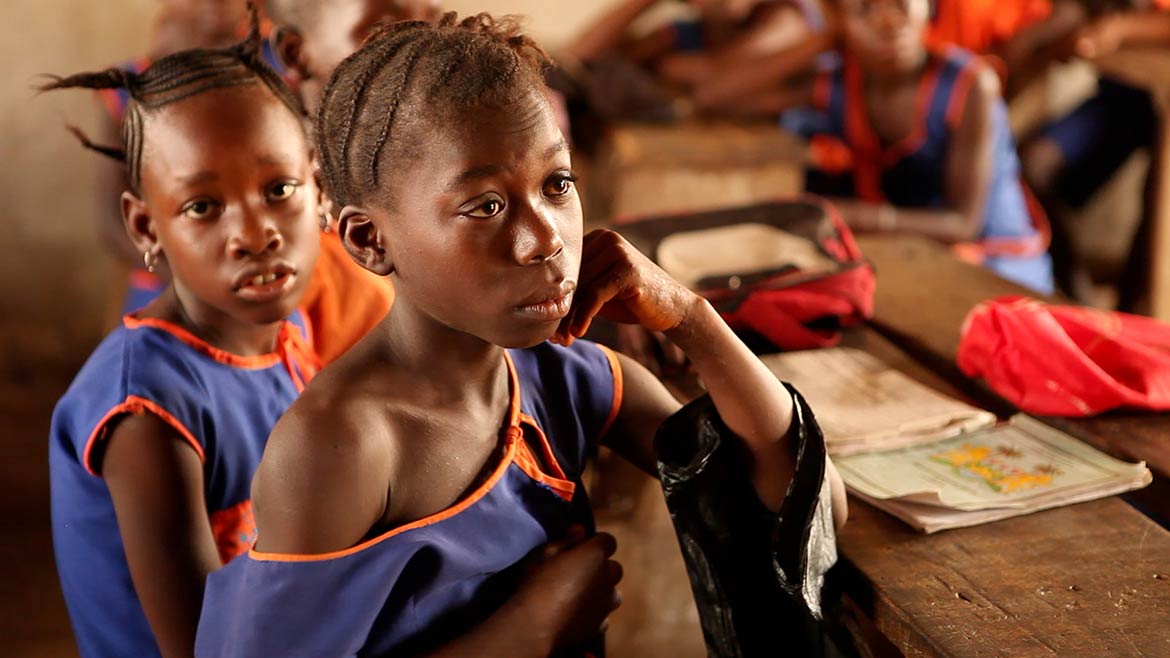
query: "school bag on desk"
789, 271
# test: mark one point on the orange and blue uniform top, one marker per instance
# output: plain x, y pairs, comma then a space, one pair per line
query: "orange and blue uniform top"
223, 405
411, 588
848, 160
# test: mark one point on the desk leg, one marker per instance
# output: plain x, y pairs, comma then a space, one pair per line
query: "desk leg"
1159, 216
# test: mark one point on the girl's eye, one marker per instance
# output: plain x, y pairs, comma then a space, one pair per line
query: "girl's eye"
200, 209
283, 190
560, 184
489, 208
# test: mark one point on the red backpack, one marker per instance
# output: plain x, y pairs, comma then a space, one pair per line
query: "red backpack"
801, 277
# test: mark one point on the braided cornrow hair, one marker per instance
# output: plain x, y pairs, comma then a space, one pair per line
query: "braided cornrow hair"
173, 78
414, 74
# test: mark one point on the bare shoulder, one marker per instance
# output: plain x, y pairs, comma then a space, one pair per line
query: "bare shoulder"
324, 480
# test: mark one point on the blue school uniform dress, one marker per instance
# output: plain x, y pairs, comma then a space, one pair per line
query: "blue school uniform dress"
222, 404
416, 586
849, 161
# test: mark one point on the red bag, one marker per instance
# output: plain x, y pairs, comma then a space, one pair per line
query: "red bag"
1066, 360
815, 281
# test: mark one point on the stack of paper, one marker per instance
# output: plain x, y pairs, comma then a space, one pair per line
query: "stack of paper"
862, 404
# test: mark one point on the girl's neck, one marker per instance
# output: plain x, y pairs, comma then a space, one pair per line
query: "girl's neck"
214, 327
448, 359
910, 76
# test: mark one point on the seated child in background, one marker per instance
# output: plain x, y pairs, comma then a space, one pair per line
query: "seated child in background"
911, 140
313, 36
178, 25
426, 489
1070, 159
727, 34
153, 447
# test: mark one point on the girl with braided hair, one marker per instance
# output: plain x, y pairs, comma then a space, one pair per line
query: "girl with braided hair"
153, 447
424, 495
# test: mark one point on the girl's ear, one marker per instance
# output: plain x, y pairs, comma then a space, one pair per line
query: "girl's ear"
363, 241
289, 46
140, 226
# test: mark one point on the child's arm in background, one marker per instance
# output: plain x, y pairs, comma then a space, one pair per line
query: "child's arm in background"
767, 85
155, 480
608, 34
778, 27
1033, 49
1112, 32
619, 283
968, 174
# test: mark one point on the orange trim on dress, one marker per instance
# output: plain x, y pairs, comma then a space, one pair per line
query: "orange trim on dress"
257, 362
615, 367
528, 463
513, 439
137, 405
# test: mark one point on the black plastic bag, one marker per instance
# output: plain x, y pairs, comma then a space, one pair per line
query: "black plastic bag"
756, 575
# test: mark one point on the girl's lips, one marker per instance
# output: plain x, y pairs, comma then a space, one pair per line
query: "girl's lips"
266, 288
549, 310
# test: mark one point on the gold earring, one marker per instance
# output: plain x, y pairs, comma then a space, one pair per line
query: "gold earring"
149, 258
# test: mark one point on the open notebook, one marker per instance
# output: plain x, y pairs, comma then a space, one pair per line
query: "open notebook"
936, 462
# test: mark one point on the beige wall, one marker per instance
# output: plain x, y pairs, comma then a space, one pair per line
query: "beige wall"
56, 280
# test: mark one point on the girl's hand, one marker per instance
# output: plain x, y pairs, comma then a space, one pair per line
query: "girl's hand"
569, 588
619, 283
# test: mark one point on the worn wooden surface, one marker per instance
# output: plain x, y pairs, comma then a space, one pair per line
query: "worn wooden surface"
1084, 581
648, 169
922, 297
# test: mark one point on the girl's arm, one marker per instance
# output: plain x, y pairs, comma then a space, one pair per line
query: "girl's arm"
778, 27
609, 32
1033, 49
771, 83
156, 482
1112, 32
969, 166
619, 283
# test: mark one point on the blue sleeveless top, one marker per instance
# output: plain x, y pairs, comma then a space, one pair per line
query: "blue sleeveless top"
413, 587
222, 404
849, 161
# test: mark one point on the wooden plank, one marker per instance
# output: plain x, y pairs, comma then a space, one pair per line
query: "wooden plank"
1084, 581
651, 169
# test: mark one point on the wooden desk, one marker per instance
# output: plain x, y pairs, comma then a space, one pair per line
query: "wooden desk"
643, 169
1150, 70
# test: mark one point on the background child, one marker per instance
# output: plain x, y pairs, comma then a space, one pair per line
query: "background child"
1070, 159
726, 34
313, 36
153, 447
405, 490
178, 25
913, 140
